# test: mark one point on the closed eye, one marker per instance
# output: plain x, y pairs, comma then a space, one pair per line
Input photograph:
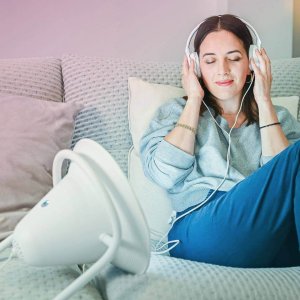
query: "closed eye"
235, 59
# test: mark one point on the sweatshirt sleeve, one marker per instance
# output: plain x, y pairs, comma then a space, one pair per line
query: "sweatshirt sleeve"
290, 127
164, 163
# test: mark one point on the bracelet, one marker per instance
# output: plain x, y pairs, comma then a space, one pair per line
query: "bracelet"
277, 123
187, 127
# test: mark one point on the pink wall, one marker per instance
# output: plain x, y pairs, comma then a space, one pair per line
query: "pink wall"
131, 29
134, 29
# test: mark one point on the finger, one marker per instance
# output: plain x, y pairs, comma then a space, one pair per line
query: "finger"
262, 63
254, 67
191, 69
185, 68
267, 60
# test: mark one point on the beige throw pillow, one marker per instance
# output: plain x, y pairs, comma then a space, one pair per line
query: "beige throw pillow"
144, 99
32, 131
291, 103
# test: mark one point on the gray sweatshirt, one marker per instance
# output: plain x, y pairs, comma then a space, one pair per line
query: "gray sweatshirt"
188, 178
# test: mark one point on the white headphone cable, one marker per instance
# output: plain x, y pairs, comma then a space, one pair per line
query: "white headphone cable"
156, 251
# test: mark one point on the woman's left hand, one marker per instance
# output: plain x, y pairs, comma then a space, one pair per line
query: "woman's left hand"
263, 77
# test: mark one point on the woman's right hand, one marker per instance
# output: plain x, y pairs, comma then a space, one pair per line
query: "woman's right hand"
190, 81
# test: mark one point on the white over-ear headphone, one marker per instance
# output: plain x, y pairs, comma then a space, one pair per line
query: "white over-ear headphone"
195, 57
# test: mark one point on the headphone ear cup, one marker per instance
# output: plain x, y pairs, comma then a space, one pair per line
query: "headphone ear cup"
252, 54
195, 57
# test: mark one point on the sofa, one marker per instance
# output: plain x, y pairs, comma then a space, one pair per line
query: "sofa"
49, 104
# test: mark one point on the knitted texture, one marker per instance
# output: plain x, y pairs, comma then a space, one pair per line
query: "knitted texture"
22, 282
34, 77
177, 279
286, 78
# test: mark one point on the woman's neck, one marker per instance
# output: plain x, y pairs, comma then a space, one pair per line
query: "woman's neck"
230, 118
230, 106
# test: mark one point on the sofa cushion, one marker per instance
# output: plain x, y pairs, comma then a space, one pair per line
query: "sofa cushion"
177, 279
34, 77
32, 132
19, 281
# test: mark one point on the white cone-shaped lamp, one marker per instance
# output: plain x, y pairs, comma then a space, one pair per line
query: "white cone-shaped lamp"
90, 216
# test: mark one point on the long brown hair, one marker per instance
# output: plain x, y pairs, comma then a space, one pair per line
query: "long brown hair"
236, 26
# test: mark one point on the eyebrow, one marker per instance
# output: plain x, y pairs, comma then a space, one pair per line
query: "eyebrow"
229, 52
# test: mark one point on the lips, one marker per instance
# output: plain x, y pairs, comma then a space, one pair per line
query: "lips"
224, 83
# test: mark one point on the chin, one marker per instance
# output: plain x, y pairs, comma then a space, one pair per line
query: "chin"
224, 96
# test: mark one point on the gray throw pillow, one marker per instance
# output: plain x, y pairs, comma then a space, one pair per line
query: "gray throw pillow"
31, 133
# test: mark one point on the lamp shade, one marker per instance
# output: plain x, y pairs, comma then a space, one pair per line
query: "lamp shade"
87, 209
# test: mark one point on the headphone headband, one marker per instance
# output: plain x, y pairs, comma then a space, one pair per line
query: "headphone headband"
258, 41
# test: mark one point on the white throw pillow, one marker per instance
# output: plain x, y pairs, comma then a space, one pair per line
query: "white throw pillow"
144, 99
152, 198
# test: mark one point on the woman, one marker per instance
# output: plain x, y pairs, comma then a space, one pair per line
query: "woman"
253, 219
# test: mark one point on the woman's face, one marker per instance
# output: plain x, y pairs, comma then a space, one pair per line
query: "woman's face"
224, 65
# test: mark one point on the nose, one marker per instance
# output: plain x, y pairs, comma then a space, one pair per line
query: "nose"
223, 67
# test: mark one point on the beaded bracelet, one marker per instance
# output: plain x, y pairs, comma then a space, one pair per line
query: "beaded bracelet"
187, 127
277, 123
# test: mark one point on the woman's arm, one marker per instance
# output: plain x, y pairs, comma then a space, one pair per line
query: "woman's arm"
181, 137
164, 163
273, 139
167, 150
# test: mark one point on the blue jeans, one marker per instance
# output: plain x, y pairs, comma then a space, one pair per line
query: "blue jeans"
255, 224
